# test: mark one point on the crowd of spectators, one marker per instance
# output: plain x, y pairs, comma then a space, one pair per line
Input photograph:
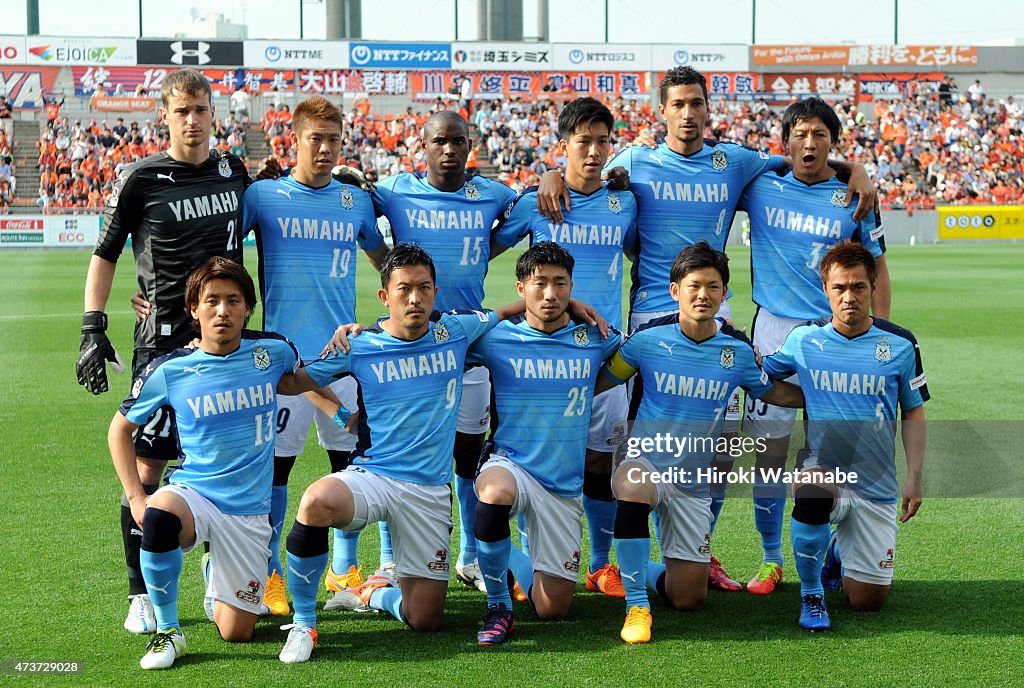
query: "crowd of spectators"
936, 148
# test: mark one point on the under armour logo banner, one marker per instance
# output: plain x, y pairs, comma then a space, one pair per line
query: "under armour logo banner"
181, 53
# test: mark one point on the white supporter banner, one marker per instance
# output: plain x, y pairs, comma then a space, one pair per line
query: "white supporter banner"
296, 54
703, 58
602, 57
45, 231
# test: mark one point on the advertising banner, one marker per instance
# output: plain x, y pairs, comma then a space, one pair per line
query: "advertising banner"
122, 103
190, 53
400, 55
296, 54
857, 55
12, 50
703, 58
981, 222
891, 85
26, 86
602, 57
502, 56
34, 231
55, 50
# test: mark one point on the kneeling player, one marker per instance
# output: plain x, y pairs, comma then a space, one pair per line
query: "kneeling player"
856, 371
543, 367
224, 396
687, 367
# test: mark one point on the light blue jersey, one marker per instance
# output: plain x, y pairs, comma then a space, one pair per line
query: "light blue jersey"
595, 232
543, 386
454, 227
792, 225
683, 200
684, 386
409, 392
308, 240
226, 411
853, 390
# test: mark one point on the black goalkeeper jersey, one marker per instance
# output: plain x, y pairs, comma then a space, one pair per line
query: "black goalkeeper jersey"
178, 216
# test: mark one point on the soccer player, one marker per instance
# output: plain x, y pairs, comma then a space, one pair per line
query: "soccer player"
688, 365
858, 372
687, 189
409, 369
599, 227
795, 217
543, 366
180, 207
308, 228
451, 216
224, 397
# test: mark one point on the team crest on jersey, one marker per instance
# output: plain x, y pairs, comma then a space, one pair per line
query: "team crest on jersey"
261, 358
718, 160
580, 336
883, 352
614, 204
347, 201
838, 198
224, 168
728, 357
472, 193
440, 332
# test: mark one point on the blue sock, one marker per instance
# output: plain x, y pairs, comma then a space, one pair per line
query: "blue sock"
387, 555
278, 507
656, 522
346, 550
493, 559
466, 494
655, 570
809, 545
717, 502
388, 600
161, 571
633, 554
524, 535
303, 582
769, 508
522, 569
600, 522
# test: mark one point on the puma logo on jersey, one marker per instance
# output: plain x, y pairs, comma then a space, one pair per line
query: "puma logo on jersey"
284, 192
782, 187
197, 369
819, 344
161, 175
666, 347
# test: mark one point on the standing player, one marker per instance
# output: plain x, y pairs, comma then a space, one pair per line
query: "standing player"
409, 368
180, 207
794, 219
597, 230
543, 366
308, 228
686, 190
856, 371
224, 397
688, 366
451, 218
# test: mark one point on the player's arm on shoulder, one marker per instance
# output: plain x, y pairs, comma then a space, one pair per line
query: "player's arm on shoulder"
376, 256
914, 434
785, 394
614, 372
551, 193
515, 223
860, 185
881, 297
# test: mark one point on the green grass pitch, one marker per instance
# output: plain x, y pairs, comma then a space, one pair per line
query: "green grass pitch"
954, 616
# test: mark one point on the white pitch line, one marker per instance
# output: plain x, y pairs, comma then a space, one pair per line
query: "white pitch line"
45, 316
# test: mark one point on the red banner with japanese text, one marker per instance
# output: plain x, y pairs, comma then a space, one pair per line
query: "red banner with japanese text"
728, 84
147, 80
858, 55
781, 88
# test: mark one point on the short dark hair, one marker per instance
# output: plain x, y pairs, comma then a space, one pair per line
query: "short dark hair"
848, 254
185, 81
807, 109
585, 110
445, 117
543, 253
698, 256
405, 256
681, 76
218, 267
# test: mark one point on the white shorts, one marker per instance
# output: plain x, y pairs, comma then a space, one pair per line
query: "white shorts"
608, 420
418, 516
239, 550
475, 408
554, 523
295, 413
685, 519
866, 537
732, 409
761, 419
